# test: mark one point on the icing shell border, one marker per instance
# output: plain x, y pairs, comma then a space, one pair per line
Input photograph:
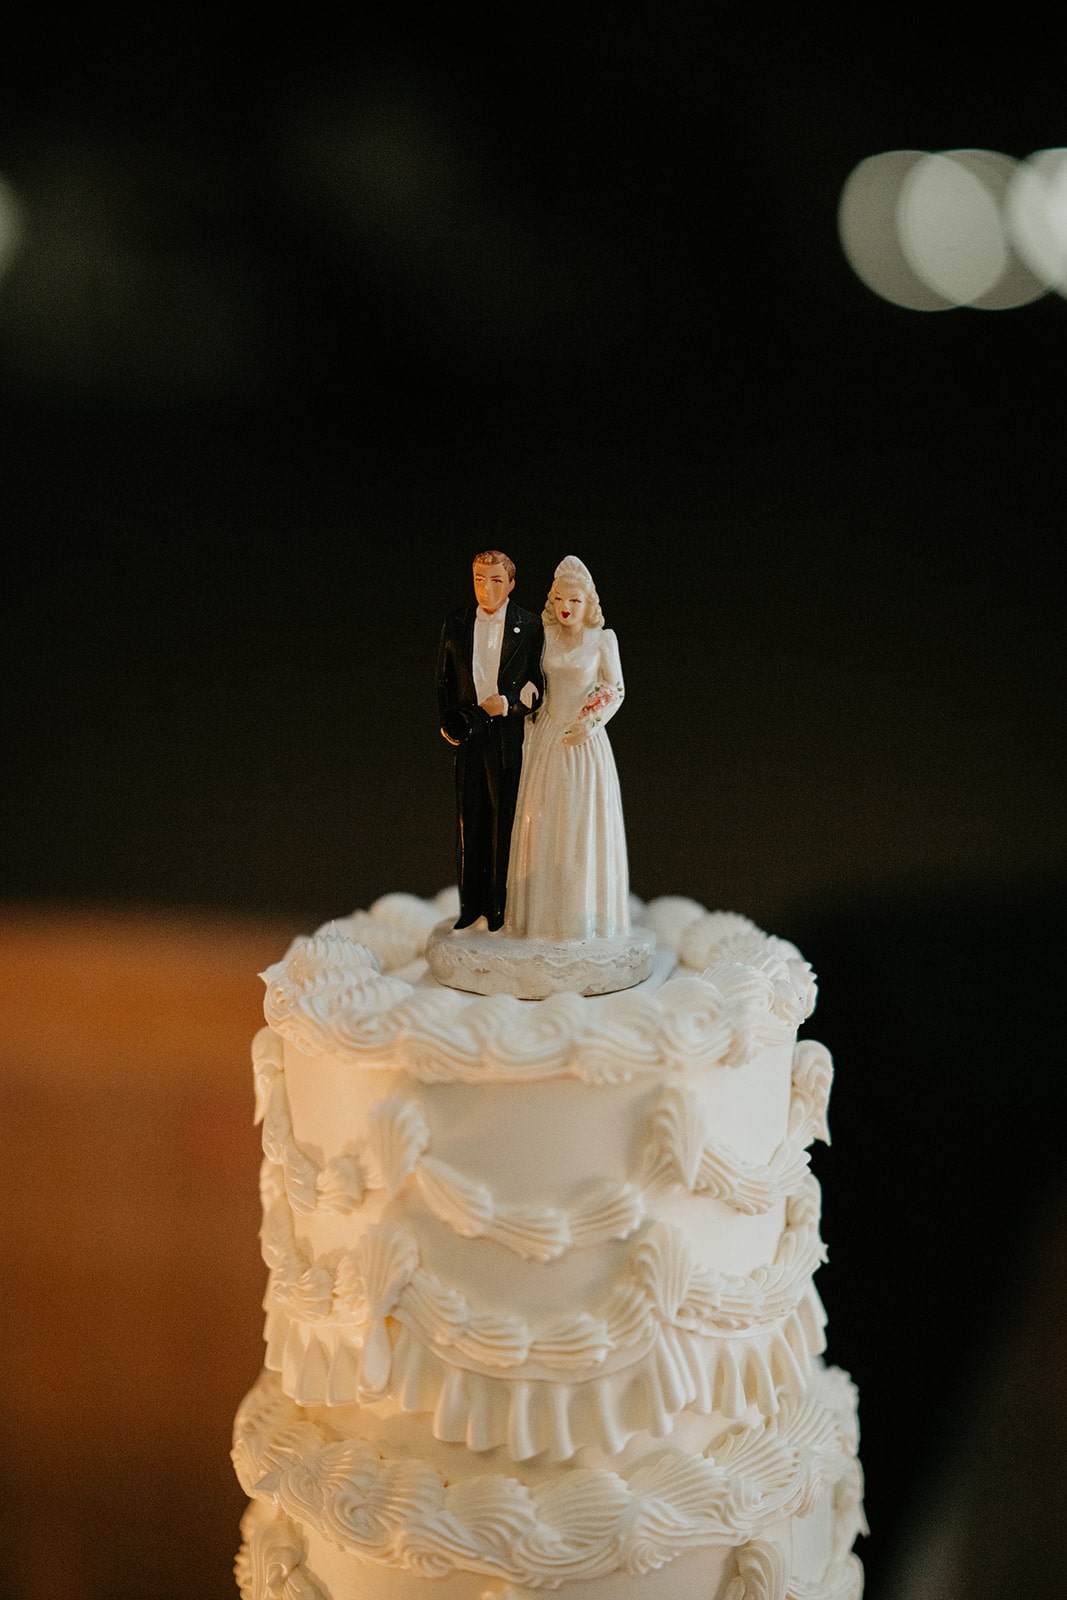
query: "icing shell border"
577, 1524
356, 990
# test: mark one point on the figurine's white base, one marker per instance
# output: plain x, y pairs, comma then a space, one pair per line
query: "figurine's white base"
481, 962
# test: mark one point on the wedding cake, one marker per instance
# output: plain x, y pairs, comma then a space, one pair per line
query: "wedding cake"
540, 1316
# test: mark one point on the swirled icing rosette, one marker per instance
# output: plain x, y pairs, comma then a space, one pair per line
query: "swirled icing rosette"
669, 918
706, 934
329, 993
396, 927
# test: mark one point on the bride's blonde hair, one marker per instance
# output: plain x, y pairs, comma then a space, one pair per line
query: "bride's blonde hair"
575, 573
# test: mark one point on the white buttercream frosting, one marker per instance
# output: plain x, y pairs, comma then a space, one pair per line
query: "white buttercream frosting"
662, 1284
676, 1147
736, 991
271, 1560
544, 1234
578, 1523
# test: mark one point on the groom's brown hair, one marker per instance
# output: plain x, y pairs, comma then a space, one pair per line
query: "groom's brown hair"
496, 558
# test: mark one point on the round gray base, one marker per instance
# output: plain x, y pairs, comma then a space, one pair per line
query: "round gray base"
481, 962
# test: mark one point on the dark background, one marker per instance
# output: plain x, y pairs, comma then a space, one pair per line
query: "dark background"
300, 323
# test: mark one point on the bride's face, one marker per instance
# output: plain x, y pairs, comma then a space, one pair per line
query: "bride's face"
570, 605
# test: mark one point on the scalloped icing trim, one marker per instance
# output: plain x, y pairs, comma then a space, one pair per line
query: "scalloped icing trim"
579, 1523
663, 1281
328, 1326
677, 1151
738, 991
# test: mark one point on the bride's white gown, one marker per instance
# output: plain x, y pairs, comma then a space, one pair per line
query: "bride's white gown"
567, 874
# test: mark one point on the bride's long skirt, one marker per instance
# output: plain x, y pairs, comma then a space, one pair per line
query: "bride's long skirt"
567, 875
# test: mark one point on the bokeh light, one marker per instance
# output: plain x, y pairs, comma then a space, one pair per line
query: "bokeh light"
1036, 214
967, 227
867, 225
949, 227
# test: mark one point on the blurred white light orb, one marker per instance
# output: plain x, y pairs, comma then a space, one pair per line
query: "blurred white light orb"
949, 227
929, 231
1036, 214
867, 227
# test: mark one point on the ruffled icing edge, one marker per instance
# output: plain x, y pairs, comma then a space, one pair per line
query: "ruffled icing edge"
346, 1328
678, 1370
577, 1523
352, 990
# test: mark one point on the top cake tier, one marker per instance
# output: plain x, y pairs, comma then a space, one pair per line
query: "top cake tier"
548, 1224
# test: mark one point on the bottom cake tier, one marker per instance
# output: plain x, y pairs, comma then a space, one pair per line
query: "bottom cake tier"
351, 1505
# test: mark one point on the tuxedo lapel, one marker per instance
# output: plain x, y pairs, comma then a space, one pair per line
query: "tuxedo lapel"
466, 637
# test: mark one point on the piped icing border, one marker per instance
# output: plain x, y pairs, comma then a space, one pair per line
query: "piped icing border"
579, 1523
356, 1325
736, 991
663, 1282
677, 1151
381, 1276
271, 1566
671, 1336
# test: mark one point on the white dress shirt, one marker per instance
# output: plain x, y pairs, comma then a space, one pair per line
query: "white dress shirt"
488, 637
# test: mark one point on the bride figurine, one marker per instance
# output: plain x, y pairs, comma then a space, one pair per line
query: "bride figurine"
567, 873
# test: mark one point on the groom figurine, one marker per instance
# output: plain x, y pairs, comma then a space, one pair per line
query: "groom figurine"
488, 682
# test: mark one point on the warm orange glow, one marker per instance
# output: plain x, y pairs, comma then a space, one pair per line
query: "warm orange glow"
130, 1176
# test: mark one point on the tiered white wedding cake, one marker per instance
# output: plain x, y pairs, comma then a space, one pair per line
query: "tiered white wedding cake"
540, 1313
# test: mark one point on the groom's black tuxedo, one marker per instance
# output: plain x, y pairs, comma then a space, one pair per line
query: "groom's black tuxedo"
488, 752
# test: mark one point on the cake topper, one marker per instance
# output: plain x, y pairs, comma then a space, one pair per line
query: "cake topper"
488, 682
540, 842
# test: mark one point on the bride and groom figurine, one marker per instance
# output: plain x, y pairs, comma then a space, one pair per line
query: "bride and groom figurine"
540, 843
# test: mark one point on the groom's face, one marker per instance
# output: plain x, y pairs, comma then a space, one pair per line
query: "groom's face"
491, 585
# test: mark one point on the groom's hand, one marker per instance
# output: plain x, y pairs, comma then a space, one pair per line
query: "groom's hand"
495, 706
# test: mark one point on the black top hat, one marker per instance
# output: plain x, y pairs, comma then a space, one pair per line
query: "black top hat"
466, 725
